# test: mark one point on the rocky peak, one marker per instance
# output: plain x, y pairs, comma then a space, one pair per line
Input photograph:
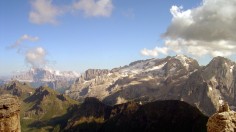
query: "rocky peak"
222, 121
189, 63
9, 113
40, 94
44, 90
220, 66
220, 59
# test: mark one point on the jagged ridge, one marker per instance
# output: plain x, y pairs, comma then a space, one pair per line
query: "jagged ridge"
171, 78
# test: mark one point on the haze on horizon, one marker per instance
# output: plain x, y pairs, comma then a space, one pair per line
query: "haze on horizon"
82, 34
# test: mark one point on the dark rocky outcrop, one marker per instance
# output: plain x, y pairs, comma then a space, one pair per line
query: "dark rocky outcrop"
89, 115
158, 116
163, 116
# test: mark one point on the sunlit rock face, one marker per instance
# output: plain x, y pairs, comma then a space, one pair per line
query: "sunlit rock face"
9, 114
222, 121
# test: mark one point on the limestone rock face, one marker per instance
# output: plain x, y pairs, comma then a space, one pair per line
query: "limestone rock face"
92, 73
9, 114
223, 121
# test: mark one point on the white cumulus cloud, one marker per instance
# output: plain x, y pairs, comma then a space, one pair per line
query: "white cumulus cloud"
45, 12
154, 52
23, 38
94, 7
36, 57
208, 29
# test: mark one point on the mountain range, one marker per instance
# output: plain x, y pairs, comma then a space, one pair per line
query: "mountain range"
36, 77
45, 110
171, 78
169, 94
42, 109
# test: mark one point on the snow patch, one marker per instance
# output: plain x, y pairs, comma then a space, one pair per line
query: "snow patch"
213, 79
221, 102
210, 88
121, 100
231, 68
147, 78
226, 64
109, 74
156, 67
193, 71
58, 73
20, 80
183, 59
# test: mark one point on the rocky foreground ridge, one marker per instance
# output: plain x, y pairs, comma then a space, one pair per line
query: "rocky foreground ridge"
9, 114
222, 121
159, 116
171, 78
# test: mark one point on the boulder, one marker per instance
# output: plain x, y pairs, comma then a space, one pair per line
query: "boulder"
222, 121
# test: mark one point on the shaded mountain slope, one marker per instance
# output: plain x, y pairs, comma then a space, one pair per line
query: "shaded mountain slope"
22, 90
44, 105
161, 116
41, 109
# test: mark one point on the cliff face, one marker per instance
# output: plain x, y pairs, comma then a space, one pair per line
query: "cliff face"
222, 121
92, 73
9, 114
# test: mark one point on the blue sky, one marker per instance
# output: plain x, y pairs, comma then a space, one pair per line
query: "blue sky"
75, 36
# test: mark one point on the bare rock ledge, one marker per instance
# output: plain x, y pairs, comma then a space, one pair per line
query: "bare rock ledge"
9, 114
